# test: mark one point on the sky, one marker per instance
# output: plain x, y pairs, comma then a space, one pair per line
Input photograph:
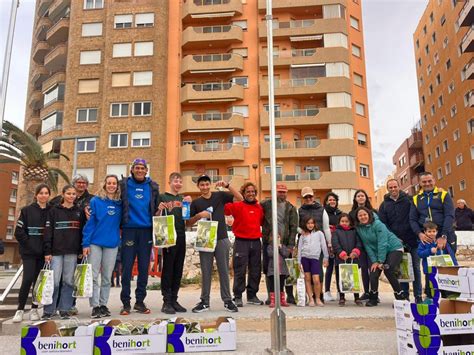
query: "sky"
391, 74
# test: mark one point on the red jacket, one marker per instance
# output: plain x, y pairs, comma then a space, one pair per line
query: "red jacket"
248, 219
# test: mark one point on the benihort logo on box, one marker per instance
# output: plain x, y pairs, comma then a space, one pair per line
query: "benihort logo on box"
457, 323
456, 352
446, 281
131, 344
57, 345
204, 340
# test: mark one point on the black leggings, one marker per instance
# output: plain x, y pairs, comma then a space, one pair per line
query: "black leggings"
31, 269
328, 276
364, 263
272, 284
393, 261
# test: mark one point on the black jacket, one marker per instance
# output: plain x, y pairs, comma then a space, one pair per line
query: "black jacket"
81, 201
464, 219
333, 214
29, 230
396, 216
314, 210
345, 241
63, 231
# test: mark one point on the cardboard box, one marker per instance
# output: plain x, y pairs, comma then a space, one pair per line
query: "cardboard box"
405, 343
107, 342
45, 338
403, 315
454, 279
222, 338
443, 345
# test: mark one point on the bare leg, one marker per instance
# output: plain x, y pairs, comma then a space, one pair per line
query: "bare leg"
317, 289
309, 291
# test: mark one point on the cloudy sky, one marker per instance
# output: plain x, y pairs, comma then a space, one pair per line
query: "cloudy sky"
391, 75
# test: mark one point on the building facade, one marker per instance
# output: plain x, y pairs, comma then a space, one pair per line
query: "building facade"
444, 46
184, 85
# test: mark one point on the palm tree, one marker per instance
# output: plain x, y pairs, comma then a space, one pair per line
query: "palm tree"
21, 147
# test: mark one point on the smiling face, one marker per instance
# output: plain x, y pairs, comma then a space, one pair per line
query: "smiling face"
111, 185
308, 200
81, 186
427, 182
360, 198
460, 204
204, 186
43, 196
332, 202
282, 195
250, 193
345, 222
139, 172
176, 184
70, 195
393, 188
363, 217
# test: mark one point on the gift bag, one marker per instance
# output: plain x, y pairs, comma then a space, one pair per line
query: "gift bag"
349, 278
83, 280
293, 271
406, 269
164, 231
440, 260
300, 291
206, 236
44, 286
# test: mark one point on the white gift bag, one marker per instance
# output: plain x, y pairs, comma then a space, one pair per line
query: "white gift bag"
83, 280
44, 286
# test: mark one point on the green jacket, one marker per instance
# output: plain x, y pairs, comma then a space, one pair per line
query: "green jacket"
378, 240
291, 227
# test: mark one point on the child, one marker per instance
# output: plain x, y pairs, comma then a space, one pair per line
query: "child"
426, 250
346, 245
310, 244
284, 252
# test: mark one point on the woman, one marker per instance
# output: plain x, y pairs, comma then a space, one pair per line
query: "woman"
385, 252
29, 234
62, 245
101, 238
464, 216
331, 202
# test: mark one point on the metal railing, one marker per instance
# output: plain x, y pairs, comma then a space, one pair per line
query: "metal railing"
299, 177
292, 83
297, 113
213, 147
54, 128
212, 86
215, 178
11, 284
294, 24
301, 144
221, 116
213, 29
212, 57
210, 2
468, 33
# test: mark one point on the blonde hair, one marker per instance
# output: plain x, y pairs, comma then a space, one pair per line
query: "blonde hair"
102, 193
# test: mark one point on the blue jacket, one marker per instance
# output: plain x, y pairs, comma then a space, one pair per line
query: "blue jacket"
103, 226
424, 251
429, 206
145, 215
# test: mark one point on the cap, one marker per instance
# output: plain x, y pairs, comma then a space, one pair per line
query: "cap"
139, 161
282, 188
305, 191
203, 177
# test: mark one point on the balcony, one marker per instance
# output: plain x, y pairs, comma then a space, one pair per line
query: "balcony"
211, 122
211, 36
310, 148
416, 160
33, 125
43, 6
38, 76
39, 51
211, 152
50, 134
309, 27
415, 141
307, 86
212, 63
327, 180
206, 9
469, 69
58, 33
296, 4
55, 61
471, 99
212, 92
190, 187
466, 16
59, 77
467, 43
304, 118
58, 9
36, 100
305, 56
52, 106
42, 26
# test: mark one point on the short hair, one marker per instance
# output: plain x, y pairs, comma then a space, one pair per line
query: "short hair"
424, 173
369, 212
430, 225
175, 175
40, 187
248, 184
393, 179
331, 194
80, 177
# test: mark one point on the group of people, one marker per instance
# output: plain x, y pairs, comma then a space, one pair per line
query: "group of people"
79, 227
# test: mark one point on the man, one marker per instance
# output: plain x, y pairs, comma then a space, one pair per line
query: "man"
140, 197
287, 228
312, 208
210, 206
248, 218
433, 204
394, 212
173, 257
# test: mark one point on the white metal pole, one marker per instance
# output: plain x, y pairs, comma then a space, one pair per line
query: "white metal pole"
74, 162
7, 60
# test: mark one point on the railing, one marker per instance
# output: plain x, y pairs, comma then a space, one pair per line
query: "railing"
298, 177
294, 24
213, 29
57, 24
297, 144
210, 2
464, 10
214, 116
213, 147
416, 158
11, 284
291, 83
212, 57
212, 86
297, 113
215, 178
468, 33
51, 129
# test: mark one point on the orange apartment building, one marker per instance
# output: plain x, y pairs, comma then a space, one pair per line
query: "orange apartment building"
183, 84
444, 46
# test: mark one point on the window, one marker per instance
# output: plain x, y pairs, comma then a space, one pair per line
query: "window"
447, 168
143, 49
89, 172
86, 145
448, 64
354, 23
88, 86
11, 213
117, 169
86, 115
89, 57
451, 87
428, 69
424, 29
427, 49
121, 50
242, 24
15, 177
437, 152
92, 29
417, 44
141, 139
459, 159
423, 100
433, 110
467, 97
456, 135
240, 80
243, 140
55, 93
333, 11
445, 146
429, 159
189, 142
142, 108
453, 111
266, 138
439, 173
472, 152
436, 58
118, 140
241, 109
364, 170
438, 79
52, 122
145, 20
119, 109
358, 80
433, 38
13, 195
402, 161
360, 109
443, 20
356, 50
440, 101
443, 123
431, 18
361, 138
427, 139
142, 78
120, 79
462, 185
470, 125
279, 170
451, 191
421, 82
419, 62
93, 4
425, 120
435, 130
9, 232
123, 21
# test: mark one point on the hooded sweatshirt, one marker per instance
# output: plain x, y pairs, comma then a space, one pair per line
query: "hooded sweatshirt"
139, 197
29, 229
311, 245
248, 219
103, 226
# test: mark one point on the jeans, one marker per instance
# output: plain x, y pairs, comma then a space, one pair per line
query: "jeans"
393, 261
103, 262
416, 270
136, 243
247, 254
31, 268
63, 267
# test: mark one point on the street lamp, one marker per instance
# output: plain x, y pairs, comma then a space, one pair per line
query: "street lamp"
76, 140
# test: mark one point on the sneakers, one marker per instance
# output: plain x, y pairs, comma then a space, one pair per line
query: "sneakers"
254, 300
96, 312
64, 315
201, 307
46, 316
104, 311
178, 308
372, 299
231, 307
73, 311
18, 317
290, 299
34, 315
328, 297
358, 302
126, 309
238, 301
140, 307
167, 308
364, 297
342, 302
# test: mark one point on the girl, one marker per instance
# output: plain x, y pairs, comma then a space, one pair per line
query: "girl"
385, 252
284, 252
310, 244
101, 238
62, 245
346, 245
29, 234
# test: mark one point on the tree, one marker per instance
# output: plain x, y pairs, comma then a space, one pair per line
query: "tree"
19, 146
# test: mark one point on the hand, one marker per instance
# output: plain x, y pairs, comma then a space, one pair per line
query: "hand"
86, 251
204, 214
345, 257
222, 183
48, 258
187, 199
434, 250
375, 266
87, 211
441, 243
162, 206
424, 238
325, 263
353, 256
